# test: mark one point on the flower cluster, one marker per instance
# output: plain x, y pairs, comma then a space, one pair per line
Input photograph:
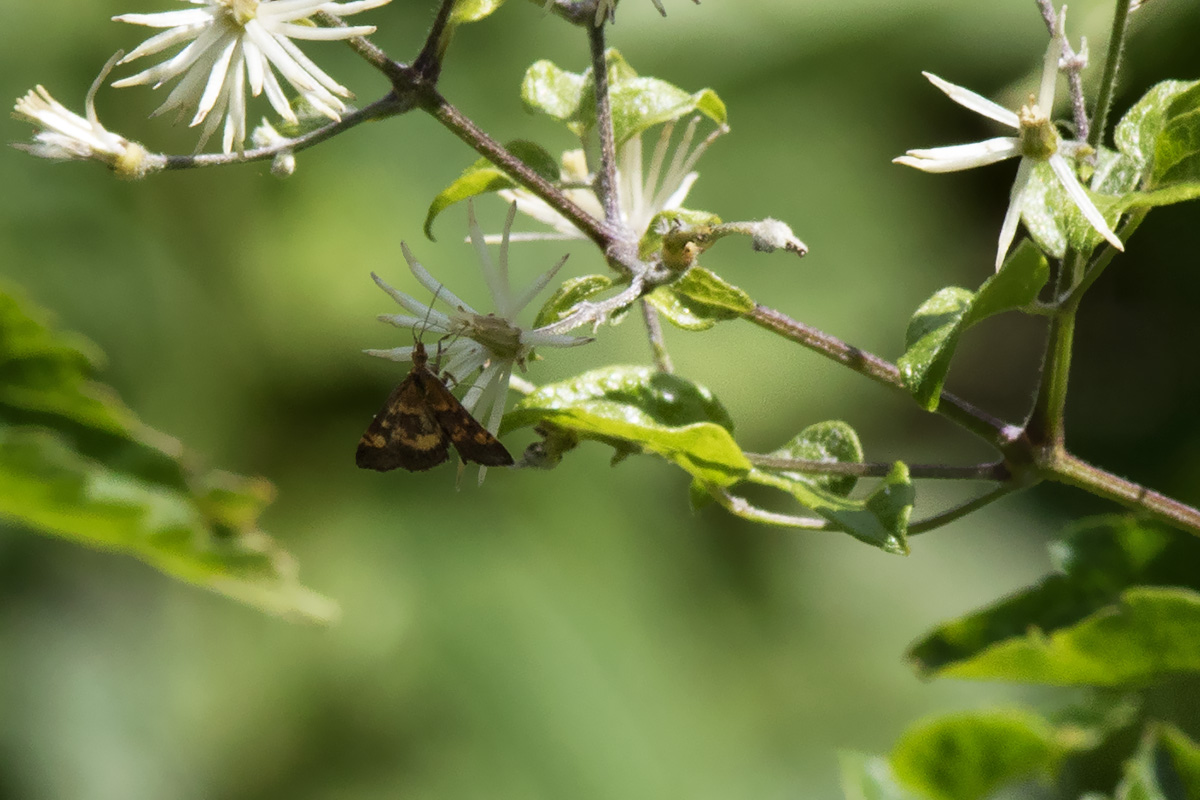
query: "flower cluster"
642, 191
63, 135
1036, 141
232, 44
487, 344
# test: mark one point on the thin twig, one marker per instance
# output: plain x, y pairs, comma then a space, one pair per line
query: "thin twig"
658, 345
1072, 64
372, 54
977, 421
996, 471
606, 176
960, 511
388, 106
429, 62
1108, 80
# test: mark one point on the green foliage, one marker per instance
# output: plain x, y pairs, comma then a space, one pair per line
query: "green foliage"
1124, 610
637, 103
639, 410
1165, 767
473, 10
970, 756
483, 177
699, 300
866, 777
833, 442
571, 292
76, 463
881, 520
935, 328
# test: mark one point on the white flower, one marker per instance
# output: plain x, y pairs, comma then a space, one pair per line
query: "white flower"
65, 135
641, 194
488, 343
232, 43
1036, 141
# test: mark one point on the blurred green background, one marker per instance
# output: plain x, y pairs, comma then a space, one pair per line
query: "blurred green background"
578, 633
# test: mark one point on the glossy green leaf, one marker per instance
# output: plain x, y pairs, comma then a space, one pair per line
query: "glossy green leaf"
637, 103
866, 777
970, 756
640, 410
483, 176
699, 300
553, 91
833, 442
1177, 149
1136, 135
76, 463
1165, 767
572, 291
881, 520
473, 10
934, 330
1123, 610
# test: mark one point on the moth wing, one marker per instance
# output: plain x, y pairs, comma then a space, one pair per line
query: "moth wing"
405, 433
472, 441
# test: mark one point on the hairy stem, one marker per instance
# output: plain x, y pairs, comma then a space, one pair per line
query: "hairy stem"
980, 472
958, 512
372, 54
385, 107
658, 345
975, 420
1108, 80
469, 132
1072, 471
429, 62
606, 176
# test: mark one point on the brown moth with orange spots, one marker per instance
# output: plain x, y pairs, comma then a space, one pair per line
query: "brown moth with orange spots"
419, 422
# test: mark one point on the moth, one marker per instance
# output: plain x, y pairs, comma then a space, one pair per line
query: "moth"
419, 422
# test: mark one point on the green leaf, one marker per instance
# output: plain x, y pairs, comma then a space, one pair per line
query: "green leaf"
473, 10
639, 410
1165, 767
866, 777
699, 300
935, 328
76, 463
637, 103
1177, 149
970, 756
1124, 610
483, 176
1137, 133
573, 291
833, 442
552, 90
880, 521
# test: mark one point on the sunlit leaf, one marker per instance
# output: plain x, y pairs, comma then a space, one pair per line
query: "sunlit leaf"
833, 442
473, 10
640, 410
866, 777
881, 520
572, 291
483, 176
699, 300
970, 756
934, 330
76, 463
1123, 610
1165, 767
637, 103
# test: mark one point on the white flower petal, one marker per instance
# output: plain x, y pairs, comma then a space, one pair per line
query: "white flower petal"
1066, 177
1012, 217
977, 103
961, 156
